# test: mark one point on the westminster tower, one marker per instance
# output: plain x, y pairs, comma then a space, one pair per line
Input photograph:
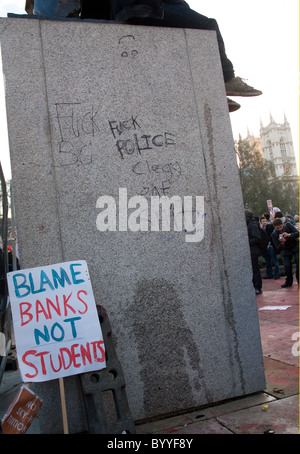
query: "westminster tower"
277, 146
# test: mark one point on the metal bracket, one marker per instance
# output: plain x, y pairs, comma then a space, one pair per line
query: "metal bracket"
103, 391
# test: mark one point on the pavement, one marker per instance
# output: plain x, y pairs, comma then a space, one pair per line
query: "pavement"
275, 410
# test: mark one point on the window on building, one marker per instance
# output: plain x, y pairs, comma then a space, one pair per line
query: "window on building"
269, 146
282, 148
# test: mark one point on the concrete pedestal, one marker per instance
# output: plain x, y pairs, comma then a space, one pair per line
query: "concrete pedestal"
94, 107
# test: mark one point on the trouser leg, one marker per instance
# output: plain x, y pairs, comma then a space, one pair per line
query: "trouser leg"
256, 280
287, 262
268, 260
273, 256
296, 257
182, 16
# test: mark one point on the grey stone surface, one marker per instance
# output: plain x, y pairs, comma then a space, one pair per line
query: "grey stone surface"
183, 315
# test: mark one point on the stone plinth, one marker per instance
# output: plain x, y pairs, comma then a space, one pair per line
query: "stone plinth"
94, 107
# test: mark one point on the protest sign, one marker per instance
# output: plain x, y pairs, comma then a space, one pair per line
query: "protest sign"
270, 207
56, 325
21, 412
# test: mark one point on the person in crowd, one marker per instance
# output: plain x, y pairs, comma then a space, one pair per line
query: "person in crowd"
286, 240
271, 250
264, 244
255, 250
262, 221
289, 219
279, 215
296, 220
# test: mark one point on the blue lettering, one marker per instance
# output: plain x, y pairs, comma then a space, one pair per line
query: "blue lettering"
38, 334
74, 273
57, 339
32, 285
20, 285
45, 335
72, 321
45, 280
60, 279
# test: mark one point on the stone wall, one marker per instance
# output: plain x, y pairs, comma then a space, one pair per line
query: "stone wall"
97, 107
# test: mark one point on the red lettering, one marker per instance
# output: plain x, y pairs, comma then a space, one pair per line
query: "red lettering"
55, 307
66, 305
42, 354
25, 312
86, 353
24, 357
83, 302
48, 308
67, 351
95, 345
60, 364
75, 355
40, 310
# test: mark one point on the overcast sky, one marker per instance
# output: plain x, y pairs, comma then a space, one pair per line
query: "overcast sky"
262, 41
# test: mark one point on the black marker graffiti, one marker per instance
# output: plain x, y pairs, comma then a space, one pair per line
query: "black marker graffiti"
127, 44
76, 131
155, 178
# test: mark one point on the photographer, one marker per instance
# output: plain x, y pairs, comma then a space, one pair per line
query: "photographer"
286, 240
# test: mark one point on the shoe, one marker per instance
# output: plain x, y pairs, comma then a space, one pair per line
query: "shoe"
258, 292
237, 87
232, 105
286, 285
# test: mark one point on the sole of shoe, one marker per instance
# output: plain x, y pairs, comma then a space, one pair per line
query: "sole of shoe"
244, 94
232, 105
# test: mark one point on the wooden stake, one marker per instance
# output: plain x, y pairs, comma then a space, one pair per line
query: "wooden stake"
63, 405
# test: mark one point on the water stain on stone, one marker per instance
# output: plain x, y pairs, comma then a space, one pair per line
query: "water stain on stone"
165, 347
227, 299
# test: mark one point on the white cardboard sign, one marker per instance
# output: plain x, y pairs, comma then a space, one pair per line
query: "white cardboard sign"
56, 325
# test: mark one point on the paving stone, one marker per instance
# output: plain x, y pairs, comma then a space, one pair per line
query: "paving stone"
211, 426
281, 416
282, 379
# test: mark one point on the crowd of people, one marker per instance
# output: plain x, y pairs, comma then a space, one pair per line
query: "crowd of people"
270, 236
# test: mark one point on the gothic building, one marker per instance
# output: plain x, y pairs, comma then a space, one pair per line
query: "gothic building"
277, 146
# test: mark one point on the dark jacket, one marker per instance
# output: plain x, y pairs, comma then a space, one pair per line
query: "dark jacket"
118, 10
269, 231
292, 243
254, 236
124, 10
91, 9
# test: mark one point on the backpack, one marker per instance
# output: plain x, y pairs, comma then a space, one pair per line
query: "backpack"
264, 239
124, 10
